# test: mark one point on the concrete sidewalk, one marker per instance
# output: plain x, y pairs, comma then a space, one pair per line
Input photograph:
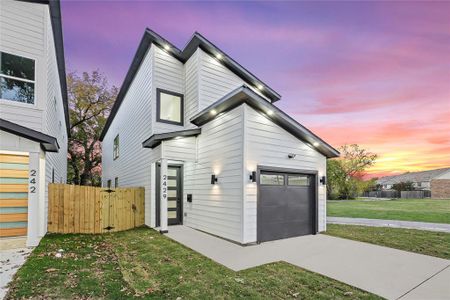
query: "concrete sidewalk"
388, 272
10, 262
390, 223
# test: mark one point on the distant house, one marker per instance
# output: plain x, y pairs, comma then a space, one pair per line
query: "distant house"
426, 180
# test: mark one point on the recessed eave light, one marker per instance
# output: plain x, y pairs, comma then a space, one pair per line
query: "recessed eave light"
270, 112
213, 112
219, 56
316, 144
166, 47
259, 86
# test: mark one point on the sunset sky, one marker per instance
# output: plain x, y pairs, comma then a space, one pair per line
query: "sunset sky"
376, 74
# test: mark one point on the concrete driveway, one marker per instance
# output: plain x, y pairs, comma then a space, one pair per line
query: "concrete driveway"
387, 272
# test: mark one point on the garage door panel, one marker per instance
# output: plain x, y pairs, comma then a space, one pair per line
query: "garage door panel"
287, 210
13, 195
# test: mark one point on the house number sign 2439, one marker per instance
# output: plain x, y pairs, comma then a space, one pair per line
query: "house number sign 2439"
33, 181
164, 187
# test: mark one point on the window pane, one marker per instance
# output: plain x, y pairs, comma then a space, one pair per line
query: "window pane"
172, 172
170, 107
299, 180
16, 66
271, 179
16, 90
172, 214
172, 204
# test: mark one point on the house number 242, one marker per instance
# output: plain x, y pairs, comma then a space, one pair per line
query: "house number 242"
32, 181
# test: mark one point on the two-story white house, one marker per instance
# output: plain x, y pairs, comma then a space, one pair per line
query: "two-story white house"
34, 119
202, 135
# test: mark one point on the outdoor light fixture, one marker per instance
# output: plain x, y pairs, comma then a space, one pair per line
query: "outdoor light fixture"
213, 179
292, 155
323, 180
259, 86
270, 112
253, 176
167, 47
219, 56
213, 112
316, 144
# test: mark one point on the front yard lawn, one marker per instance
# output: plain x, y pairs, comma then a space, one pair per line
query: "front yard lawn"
420, 210
419, 241
142, 263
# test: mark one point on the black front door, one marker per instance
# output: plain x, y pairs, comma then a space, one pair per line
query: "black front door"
174, 193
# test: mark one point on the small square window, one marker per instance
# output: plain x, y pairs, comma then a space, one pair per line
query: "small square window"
271, 179
169, 107
298, 180
17, 78
116, 148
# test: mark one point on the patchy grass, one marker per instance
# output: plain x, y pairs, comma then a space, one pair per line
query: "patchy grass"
141, 263
419, 241
421, 210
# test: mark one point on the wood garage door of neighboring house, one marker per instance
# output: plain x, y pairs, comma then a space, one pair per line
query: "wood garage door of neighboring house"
287, 205
13, 195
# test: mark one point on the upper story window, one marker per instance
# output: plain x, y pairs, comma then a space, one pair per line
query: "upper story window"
17, 78
116, 147
169, 107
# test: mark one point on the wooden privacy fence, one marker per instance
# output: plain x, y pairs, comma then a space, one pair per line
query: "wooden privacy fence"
86, 209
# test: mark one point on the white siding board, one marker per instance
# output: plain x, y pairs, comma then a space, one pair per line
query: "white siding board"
269, 145
133, 124
217, 208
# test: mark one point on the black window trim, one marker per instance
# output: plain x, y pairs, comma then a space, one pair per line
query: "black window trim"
158, 107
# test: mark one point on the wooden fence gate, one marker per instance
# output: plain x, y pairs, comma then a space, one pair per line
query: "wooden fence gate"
86, 209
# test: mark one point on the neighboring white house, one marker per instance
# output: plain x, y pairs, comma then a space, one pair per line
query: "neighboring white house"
34, 118
203, 137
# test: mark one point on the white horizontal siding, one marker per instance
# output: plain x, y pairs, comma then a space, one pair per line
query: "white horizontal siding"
54, 118
183, 149
215, 80
191, 88
217, 208
133, 124
23, 32
168, 74
268, 144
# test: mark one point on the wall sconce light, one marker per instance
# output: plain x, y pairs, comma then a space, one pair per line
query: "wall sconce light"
323, 180
253, 176
213, 179
292, 155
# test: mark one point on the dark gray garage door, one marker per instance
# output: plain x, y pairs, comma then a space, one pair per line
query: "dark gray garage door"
286, 205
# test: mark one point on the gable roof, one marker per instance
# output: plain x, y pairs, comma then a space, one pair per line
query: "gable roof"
48, 143
156, 139
197, 41
55, 16
245, 95
423, 176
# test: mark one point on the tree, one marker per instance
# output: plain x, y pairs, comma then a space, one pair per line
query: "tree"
403, 186
90, 102
346, 173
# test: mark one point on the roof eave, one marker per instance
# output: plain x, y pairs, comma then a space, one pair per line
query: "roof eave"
246, 95
47, 142
156, 139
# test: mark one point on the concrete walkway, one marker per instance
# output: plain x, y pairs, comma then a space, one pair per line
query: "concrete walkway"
10, 262
390, 223
388, 272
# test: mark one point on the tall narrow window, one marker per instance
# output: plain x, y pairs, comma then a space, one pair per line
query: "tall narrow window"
17, 78
169, 107
116, 182
53, 175
108, 183
116, 148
